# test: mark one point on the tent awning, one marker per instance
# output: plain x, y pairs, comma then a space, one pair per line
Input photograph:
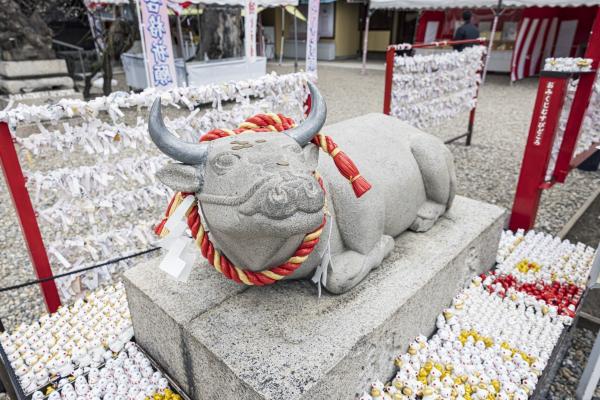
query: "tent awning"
178, 4
441, 4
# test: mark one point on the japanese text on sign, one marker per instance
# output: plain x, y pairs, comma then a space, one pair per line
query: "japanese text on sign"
250, 30
157, 40
312, 35
543, 114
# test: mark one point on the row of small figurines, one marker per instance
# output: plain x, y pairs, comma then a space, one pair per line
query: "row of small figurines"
511, 241
107, 301
189, 97
557, 260
549, 296
130, 375
460, 362
69, 339
568, 64
514, 320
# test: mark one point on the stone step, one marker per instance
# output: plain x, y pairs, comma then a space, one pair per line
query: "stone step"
33, 68
220, 340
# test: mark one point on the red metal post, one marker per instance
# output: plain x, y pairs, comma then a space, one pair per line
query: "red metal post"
580, 104
29, 226
546, 114
389, 77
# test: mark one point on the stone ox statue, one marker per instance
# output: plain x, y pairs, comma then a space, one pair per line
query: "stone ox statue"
258, 202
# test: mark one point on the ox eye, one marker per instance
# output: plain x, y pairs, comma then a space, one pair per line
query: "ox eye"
225, 161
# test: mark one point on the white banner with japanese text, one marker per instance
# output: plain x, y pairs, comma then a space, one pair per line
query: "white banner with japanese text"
160, 61
250, 30
312, 36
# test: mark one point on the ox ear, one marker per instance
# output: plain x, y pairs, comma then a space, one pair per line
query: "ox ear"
311, 155
181, 177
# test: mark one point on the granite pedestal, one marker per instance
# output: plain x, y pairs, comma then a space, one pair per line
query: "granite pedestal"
220, 340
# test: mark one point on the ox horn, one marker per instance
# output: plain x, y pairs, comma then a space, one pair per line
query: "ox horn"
185, 152
311, 126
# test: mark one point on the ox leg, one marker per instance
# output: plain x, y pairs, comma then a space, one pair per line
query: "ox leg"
360, 223
350, 267
437, 170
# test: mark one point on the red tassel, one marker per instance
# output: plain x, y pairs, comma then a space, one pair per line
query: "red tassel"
360, 186
347, 168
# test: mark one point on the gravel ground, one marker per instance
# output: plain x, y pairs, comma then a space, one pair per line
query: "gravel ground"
586, 228
487, 170
567, 378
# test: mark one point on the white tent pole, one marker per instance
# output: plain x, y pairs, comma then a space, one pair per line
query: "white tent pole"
180, 36
497, 12
282, 35
295, 42
366, 40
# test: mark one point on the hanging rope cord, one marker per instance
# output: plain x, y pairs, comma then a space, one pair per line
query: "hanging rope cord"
264, 123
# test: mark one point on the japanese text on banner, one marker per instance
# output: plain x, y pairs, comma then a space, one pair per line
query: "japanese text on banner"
250, 30
157, 39
312, 36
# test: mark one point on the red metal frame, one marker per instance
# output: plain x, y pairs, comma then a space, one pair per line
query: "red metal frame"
546, 113
389, 75
27, 219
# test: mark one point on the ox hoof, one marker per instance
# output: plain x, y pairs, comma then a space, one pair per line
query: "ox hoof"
426, 216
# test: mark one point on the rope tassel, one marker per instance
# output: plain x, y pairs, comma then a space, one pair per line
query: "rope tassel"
343, 163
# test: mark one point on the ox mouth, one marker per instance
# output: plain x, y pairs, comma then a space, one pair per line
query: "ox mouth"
283, 198
276, 198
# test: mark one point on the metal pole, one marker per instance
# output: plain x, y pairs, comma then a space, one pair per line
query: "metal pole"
15, 181
389, 75
497, 12
180, 36
282, 35
295, 42
366, 41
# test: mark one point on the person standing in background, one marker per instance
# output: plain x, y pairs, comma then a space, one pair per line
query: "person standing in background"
466, 31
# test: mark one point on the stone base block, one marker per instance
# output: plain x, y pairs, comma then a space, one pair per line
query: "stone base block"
220, 340
29, 85
24, 69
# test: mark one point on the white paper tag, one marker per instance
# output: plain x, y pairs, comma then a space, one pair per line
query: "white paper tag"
175, 263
